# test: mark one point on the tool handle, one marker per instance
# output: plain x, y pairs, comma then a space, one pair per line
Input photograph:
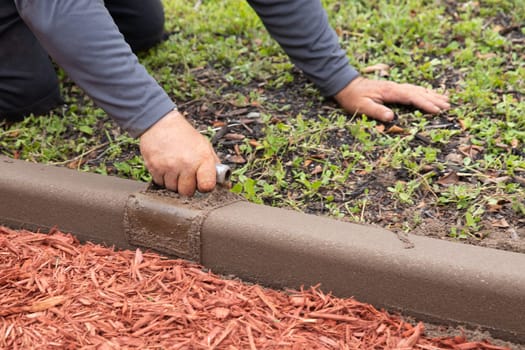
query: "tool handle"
223, 173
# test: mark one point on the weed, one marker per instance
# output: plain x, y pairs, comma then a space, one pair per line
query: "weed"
308, 155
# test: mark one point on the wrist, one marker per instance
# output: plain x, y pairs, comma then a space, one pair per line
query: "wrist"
346, 91
174, 113
169, 118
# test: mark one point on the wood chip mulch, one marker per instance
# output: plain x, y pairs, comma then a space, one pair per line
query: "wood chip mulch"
58, 294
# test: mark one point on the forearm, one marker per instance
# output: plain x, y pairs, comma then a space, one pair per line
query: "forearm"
301, 28
82, 38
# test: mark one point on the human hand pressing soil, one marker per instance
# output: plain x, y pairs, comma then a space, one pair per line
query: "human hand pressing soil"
178, 156
365, 96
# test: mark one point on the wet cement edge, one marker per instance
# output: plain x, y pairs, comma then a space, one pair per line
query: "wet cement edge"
171, 224
40, 197
436, 280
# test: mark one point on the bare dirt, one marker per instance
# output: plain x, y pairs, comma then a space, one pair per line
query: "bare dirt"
501, 225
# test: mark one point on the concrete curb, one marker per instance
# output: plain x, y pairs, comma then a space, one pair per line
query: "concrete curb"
434, 280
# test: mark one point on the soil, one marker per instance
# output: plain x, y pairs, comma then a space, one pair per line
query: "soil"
501, 226
57, 293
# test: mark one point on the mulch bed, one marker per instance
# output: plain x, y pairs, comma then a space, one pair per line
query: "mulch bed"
57, 293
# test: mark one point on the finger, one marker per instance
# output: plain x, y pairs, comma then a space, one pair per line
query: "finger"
376, 111
171, 181
187, 183
426, 105
206, 176
408, 94
437, 98
442, 102
157, 179
156, 176
430, 104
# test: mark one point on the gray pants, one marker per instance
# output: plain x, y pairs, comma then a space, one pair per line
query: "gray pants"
28, 81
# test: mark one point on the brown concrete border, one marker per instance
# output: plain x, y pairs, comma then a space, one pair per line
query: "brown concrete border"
41, 197
434, 280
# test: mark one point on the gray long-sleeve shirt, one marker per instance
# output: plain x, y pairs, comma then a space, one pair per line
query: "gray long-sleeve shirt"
82, 38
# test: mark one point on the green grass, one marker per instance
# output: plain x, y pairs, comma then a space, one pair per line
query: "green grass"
320, 160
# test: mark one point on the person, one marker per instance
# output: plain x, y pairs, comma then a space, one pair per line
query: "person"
95, 42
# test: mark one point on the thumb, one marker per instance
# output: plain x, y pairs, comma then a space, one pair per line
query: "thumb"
206, 176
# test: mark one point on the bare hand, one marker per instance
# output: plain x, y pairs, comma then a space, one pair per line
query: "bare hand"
365, 96
178, 157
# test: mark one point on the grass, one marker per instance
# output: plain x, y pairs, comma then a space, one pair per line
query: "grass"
464, 168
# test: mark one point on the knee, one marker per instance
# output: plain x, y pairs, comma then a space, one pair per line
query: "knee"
147, 31
28, 81
29, 95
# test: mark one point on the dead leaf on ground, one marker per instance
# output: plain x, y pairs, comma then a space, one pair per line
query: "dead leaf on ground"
462, 125
395, 129
494, 208
254, 143
454, 158
426, 168
247, 121
380, 128
237, 159
75, 163
501, 144
471, 151
497, 28
451, 178
519, 179
318, 156
485, 56
237, 150
497, 180
501, 223
318, 169
380, 68
234, 137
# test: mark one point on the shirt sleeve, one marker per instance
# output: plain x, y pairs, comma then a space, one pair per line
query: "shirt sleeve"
83, 39
301, 28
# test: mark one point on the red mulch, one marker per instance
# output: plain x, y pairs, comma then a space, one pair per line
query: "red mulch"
57, 293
